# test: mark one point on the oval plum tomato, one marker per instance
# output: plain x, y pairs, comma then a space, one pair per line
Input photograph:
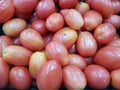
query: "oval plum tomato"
20, 78
25, 6
42, 9
97, 74
115, 78
108, 57
4, 73
86, 44
49, 76
56, 50
6, 10
73, 78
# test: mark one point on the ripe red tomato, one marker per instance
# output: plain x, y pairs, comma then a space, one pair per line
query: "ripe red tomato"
49, 76
4, 73
6, 10
97, 76
20, 78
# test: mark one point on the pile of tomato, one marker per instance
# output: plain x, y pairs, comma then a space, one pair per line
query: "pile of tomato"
50, 44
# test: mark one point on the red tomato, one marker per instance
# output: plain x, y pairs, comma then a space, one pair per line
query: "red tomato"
86, 44
116, 6
82, 7
114, 20
77, 60
56, 50
92, 19
42, 9
108, 57
6, 10
54, 22
105, 7
67, 3
25, 6
73, 19
39, 26
20, 78
115, 78
73, 78
4, 73
49, 76
97, 77
105, 33
115, 43
67, 36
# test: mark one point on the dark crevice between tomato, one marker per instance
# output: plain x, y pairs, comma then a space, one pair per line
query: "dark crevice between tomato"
118, 31
1, 31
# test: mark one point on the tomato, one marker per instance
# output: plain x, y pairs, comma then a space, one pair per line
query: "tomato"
108, 57
92, 19
16, 41
115, 78
74, 19
105, 7
105, 33
14, 27
116, 6
86, 44
20, 78
49, 76
39, 26
97, 76
77, 60
25, 6
56, 50
16, 55
115, 43
54, 22
72, 50
6, 10
114, 20
89, 60
4, 73
67, 36
42, 9
82, 7
67, 3
73, 78
4, 42
37, 59
32, 40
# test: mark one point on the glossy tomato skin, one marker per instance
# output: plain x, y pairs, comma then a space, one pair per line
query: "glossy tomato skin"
73, 19
105, 9
70, 3
56, 50
16, 55
4, 73
86, 44
39, 26
6, 10
67, 36
73, 78
14, 27
116, 6
49, 76
20, 78
32, 40
114, 20
115, 43
115, 78
82, 7
105, 33
92, 19
25, 6
54, 22
42, 9
97, 76
77, 60
4, 42
108, 57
